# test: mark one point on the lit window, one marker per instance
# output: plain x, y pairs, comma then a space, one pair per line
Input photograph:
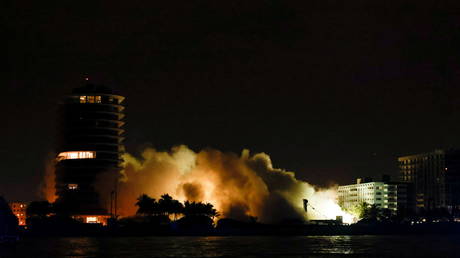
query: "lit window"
72, 186
98, 99
82, 99
76, 155
91, 219
90, 99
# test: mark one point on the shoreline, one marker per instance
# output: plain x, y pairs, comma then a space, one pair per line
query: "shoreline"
451, 228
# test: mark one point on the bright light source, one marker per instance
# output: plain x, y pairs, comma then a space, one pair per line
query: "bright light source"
91, 219
76, 155
72, 186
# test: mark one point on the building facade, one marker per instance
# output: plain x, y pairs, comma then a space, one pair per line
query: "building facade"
381, 194
19, 210
436, 179
90, 143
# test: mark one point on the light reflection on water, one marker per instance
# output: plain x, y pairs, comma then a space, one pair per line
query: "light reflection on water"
251, 246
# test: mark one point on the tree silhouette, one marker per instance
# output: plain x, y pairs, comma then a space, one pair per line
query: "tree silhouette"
147, 205
371, 212
176, 208
39, 209
199, 209
210, 211
167, 206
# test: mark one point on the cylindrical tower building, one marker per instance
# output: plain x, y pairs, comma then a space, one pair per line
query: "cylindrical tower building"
90, 143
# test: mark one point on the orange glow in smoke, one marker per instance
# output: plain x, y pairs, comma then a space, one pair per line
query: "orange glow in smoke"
48, 190
238, 186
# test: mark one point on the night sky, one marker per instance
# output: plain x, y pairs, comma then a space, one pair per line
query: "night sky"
331, 91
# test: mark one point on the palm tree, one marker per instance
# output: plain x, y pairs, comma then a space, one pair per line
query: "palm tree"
146, 204
176, 208
165, 204
200, 209
189, 209
210, 211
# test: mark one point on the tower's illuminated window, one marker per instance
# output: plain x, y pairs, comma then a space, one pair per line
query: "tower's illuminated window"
72, 186
91, 219
76, 155
90, 99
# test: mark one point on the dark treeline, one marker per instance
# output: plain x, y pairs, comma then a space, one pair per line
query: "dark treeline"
167, 216
371, 213
153, 217
167, 206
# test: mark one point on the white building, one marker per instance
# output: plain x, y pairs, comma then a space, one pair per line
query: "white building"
381, 194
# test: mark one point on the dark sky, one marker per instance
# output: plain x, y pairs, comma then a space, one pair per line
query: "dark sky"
330, 90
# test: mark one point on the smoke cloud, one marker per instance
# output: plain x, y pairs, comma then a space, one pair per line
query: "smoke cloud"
239, 186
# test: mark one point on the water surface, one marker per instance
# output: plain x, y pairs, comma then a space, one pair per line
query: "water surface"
252, 246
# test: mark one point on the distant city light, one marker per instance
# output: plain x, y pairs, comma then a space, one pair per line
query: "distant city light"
19, 210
